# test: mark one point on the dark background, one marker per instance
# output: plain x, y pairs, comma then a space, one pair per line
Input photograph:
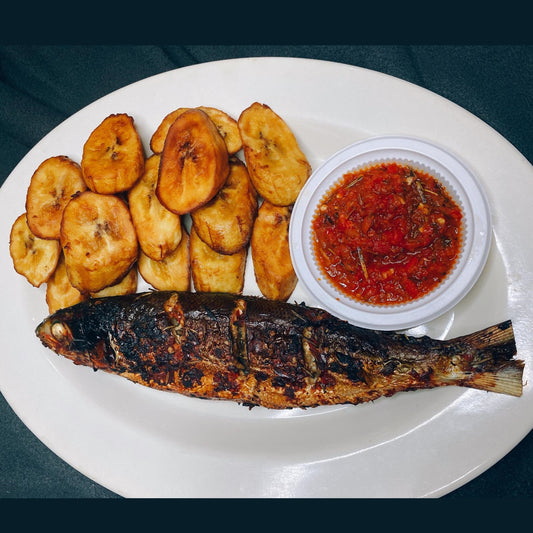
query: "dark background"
42, 85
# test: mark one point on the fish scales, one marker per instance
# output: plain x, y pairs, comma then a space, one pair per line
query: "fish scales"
274, 354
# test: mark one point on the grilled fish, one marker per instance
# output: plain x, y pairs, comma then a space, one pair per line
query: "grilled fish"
275, 354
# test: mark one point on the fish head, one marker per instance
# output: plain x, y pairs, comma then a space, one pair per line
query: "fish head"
72, 333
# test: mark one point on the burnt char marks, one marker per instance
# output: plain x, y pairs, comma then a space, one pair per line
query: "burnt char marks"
311, 352
213, 343
238, 336
227, 382
281, 348
274, 347
207, 334
191, 378
352, 367
229, 340
140, 331
389, 367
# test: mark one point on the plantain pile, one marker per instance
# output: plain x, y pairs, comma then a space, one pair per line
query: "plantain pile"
183, 217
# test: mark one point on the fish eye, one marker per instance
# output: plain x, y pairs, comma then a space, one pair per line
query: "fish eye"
59, 331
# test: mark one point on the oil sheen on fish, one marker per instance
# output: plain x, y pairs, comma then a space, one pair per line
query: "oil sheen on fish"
275, 354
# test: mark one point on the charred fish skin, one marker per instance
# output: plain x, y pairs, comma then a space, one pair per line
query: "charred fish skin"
261, 352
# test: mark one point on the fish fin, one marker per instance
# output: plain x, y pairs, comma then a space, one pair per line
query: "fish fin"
505, 380
498, 339
492, 367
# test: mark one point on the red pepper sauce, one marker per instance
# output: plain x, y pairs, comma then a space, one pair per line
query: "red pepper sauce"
387, 234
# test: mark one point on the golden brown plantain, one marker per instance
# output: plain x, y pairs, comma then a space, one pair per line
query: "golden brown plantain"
277, 166
225, 223
33, 257
157, 141
158, 229
227, 127
127, 285
113, 155
271, 257
98, 240
51, 187
59, 291
194, 163
225, 124
171, 273
215, 272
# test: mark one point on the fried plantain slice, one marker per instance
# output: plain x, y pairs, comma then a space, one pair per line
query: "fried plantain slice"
194, 163
225, 223
227, 127
157, 141
277, 166
33, 257
274, 273
214, 272
172, 273
52, 185
98, 240
59, 291
127, 285
158, 229
225, 124
113, 155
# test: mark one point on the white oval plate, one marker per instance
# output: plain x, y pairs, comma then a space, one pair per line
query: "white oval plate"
460, 183
143, 443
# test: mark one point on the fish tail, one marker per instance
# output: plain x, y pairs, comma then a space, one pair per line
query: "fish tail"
492, 367
499, 340
505, 380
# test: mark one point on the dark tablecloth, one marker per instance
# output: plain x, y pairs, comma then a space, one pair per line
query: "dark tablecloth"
40, 86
